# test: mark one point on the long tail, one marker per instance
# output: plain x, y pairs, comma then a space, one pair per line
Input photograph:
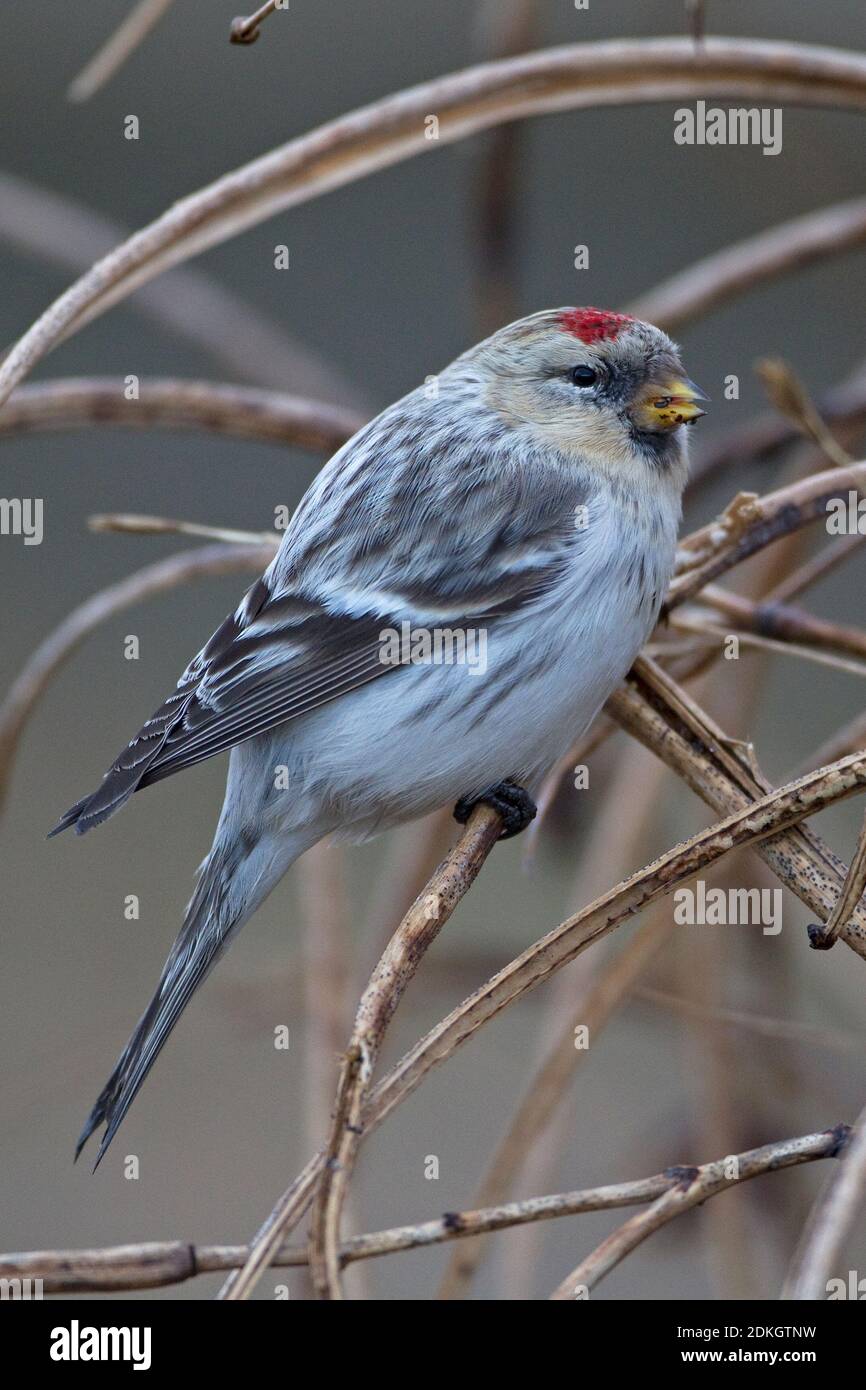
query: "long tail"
234, 880
202, 939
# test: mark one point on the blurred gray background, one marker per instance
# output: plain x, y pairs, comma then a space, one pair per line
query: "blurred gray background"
383, 286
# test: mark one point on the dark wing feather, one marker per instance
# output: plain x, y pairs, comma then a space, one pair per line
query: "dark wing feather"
285, 652
271, 661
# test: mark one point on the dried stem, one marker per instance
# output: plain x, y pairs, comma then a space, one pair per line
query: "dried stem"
401, 958
843, 407
750, 522
784, 1029
790, 397
166, 403
54, 650
768, 818
717, 636
830, 1221
758, 258
156, 1264
187, 303
134, 524
463, 103
122, 44
723, 772
543, 1093
690, 1187
247, 30
823, 938
786, 623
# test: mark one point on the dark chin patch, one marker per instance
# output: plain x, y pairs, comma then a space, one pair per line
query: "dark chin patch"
660, 448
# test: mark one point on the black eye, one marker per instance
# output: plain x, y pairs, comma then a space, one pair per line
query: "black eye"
584, 376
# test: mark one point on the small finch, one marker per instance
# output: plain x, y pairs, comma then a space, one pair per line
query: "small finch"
522, 505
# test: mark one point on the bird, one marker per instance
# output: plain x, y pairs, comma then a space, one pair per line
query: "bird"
524, 502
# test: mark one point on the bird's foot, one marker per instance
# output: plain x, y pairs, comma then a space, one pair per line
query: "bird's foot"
513, 803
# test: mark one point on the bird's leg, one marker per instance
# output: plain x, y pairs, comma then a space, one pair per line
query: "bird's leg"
512, 801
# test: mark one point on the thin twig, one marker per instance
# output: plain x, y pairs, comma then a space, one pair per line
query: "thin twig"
807, 575
769, 818
247, 30
691, 1187
790, 397
187, 302
718, 636
829, 1222
658, 712
133, 524
55, 649
750, 522
823, 938
115, 52
845, 740
737, 268
787, 623
155, 1264
760, 439
401, 958
785, 1029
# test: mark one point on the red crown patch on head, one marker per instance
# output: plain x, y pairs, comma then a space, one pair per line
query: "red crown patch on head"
591, 325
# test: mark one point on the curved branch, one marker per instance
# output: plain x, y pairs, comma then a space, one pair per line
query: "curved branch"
761, 820
400, 959
55, 649
750, 522
68, 403
386, 132
155, 1264
53, 227
830, 1221
691, 1187
752, 261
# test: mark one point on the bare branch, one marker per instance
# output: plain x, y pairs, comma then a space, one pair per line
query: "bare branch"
716, 635
750, 522
187, 302
758, 258
656, 711
758, 822
54, 650
807, 575
164, 403
247, 30
402, 956
691, 1187
830, 1221
558, 79
823, 938
122, 44
843, 407
790, 397
158, 1263
786, 1029
133, 524
785, 622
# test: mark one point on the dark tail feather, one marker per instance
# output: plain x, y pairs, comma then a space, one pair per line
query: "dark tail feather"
203, 937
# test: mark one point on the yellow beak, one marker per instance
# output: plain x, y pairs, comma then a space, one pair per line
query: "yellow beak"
670, 403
